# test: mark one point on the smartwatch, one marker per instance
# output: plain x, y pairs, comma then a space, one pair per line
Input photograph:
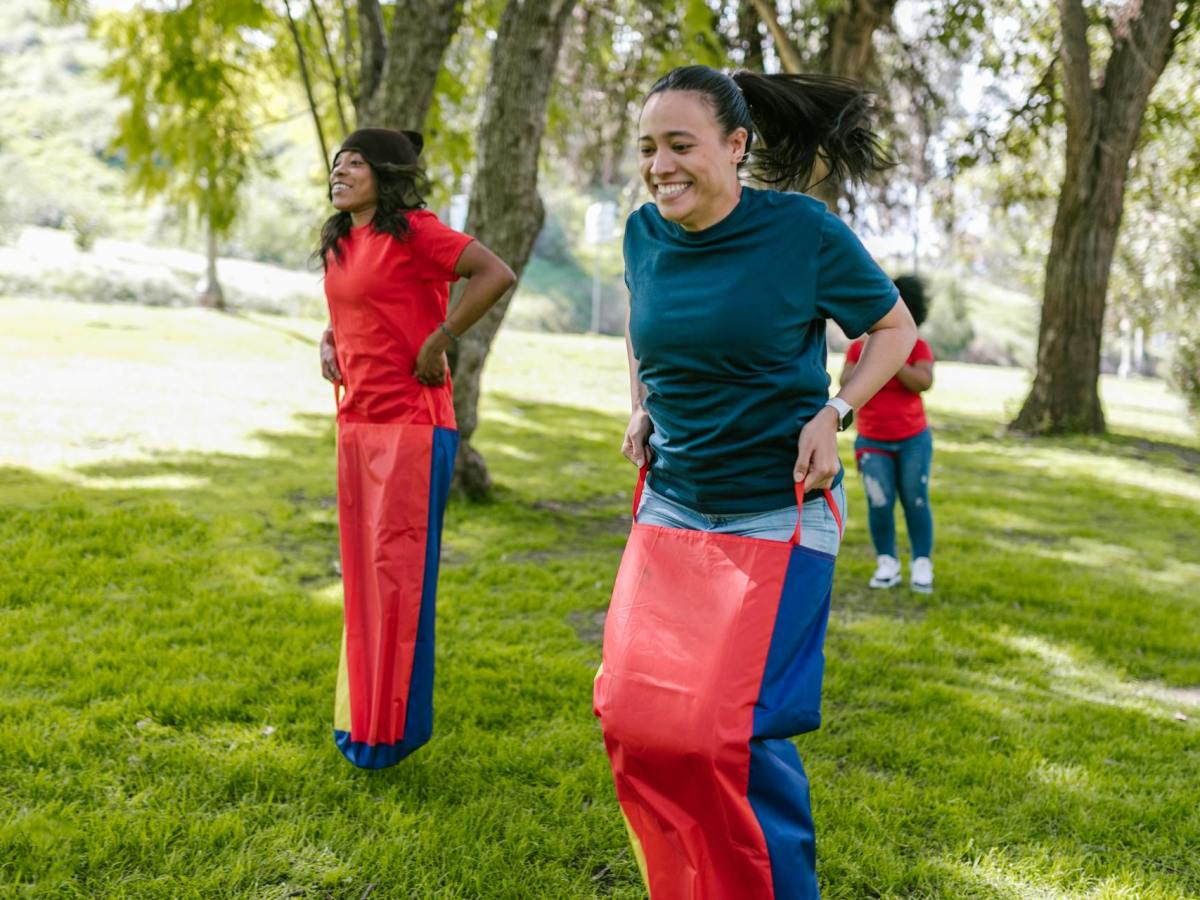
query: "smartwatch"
844, 410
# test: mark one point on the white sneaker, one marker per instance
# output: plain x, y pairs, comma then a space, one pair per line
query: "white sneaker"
887, 572
922, 575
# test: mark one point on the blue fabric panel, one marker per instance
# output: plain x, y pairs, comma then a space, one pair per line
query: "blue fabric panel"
779, 797
789, 703
418, 724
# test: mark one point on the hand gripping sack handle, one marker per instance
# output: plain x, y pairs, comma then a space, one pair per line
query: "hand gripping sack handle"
713, 659
393, 484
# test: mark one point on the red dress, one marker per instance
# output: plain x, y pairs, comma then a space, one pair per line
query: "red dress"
396, 446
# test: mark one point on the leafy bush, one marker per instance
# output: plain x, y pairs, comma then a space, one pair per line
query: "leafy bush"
1185, 365
948, 328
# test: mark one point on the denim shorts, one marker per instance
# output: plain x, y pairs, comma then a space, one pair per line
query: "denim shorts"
818, 528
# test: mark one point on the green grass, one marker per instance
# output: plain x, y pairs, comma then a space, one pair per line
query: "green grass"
171, 617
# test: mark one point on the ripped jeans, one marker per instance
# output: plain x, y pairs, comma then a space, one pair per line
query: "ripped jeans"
897, 467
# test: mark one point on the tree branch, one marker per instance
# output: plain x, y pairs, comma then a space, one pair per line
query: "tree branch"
1076, 59
308, 91
348, 44
332, 63
789, 55
1144, 41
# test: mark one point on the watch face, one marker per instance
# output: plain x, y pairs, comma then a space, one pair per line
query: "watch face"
848, 421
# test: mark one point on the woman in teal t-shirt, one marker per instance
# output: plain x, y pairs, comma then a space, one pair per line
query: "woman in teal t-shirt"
730, 289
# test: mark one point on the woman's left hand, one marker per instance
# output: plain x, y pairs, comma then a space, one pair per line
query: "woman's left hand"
817, 463
432, 365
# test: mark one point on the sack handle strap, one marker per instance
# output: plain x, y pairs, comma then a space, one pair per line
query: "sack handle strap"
829, 501
641, 486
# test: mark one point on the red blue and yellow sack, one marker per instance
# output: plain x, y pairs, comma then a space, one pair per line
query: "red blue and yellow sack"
393, 484
713, 659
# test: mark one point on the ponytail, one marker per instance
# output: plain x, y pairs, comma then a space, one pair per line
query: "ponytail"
801, 120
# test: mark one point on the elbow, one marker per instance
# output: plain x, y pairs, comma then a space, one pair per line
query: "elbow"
506, 276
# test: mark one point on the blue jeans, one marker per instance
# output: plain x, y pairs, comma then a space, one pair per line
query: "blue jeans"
818, 527
891, 467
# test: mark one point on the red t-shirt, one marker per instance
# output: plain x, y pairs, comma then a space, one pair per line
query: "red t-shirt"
895, 413
385, 298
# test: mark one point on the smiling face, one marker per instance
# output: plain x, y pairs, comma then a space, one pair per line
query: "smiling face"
352, 186
688, 165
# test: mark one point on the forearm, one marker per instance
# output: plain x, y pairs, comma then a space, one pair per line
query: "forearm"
916, 378
483, 291
891, 340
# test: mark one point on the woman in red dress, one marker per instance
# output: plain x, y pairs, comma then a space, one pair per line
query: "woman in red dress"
388, 265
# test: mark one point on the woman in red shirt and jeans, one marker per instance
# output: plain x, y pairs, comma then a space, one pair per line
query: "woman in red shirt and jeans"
894, 450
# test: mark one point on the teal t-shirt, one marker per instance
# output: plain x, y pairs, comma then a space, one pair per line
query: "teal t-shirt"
728, 328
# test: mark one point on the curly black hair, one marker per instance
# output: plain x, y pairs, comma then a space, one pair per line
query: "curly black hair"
912, 292
400, 190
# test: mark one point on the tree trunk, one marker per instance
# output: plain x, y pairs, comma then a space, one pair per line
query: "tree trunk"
211, 295
399, 71
1103, 124
506, 212
748, 36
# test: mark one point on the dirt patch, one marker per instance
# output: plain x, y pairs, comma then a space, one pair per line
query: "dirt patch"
589, 625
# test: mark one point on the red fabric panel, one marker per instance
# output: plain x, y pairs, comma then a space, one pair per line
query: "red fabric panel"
383, 512
385, 298
895, 412
685, 645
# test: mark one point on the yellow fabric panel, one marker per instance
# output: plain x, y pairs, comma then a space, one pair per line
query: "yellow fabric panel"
638, 854
341, 704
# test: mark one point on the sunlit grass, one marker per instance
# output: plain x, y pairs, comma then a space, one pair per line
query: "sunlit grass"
170, 603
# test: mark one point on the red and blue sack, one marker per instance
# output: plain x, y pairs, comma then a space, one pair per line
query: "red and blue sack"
393, 485
713, 660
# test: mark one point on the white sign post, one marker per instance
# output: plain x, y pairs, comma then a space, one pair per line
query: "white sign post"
598, 227
458, 211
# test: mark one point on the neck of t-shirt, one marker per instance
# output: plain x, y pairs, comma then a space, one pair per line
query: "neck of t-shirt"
718, 226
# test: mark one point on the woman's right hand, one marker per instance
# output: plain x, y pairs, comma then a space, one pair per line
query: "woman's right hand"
329, 366
636, 446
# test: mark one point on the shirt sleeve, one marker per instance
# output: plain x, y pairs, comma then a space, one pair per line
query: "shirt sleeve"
438, 245
851, 288
921, 352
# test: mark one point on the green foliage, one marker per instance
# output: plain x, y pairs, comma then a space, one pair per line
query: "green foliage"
948, 328
191, 76
58, 116
1185, 365
613, 51
172, 628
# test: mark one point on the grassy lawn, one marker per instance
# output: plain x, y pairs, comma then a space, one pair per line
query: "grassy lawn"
169, 603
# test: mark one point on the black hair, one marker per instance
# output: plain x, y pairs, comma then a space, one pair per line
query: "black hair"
400, 188
799, 119
912, 292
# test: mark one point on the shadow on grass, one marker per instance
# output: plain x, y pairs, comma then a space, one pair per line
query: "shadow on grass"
173, 653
